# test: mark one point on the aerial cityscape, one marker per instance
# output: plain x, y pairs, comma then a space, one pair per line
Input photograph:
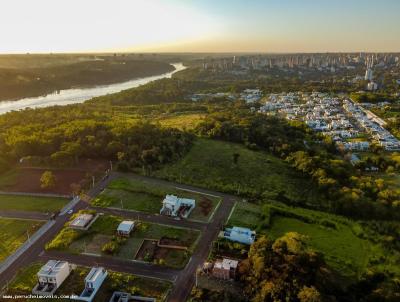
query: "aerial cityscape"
200, 151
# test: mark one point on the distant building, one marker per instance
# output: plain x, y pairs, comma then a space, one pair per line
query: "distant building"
225, 269
371, 86
125, 228
93, 282
369, 75
242, 235
51, 276
177, 207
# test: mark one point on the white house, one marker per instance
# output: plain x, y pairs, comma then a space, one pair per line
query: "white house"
93, 282
125, 228
177, 207
242, 235
51, 276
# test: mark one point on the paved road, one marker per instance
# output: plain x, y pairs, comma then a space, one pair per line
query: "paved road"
184, 279
25, 215
119, 265
31, 255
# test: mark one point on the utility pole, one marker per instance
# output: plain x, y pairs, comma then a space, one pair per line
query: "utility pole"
93, 181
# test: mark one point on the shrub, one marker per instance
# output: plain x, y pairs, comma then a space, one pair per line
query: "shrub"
63, 239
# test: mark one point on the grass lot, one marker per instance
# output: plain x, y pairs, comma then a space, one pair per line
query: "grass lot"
26, 280
147, 197
182, 121
103, 231
342, 250
13, 233
245, 215
334, 236
210, 164
31, 203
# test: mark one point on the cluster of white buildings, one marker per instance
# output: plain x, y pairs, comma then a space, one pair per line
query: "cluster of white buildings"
343, 120
251, 95
53, 274
373, 125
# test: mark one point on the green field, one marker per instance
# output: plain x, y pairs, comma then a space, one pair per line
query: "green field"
13, 233
103, 231
245, 215
210, 164
337, 238
343, 251
134, 194
31, 203
185, 121
26, 280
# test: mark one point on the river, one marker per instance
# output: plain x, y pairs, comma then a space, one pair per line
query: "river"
80, 95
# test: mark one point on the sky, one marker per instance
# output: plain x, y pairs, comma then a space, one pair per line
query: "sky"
199, 26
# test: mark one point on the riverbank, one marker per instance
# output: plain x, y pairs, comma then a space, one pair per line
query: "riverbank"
26, 82
80, 95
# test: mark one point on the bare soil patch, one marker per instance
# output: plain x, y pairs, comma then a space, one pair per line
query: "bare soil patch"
205, 205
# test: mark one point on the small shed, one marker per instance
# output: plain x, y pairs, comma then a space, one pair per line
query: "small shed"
125, 228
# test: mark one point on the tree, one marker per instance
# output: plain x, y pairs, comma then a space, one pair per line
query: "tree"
47, 180
309, 294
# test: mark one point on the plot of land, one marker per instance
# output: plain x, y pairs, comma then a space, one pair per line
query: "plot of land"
210, 164
13, 233
342, 250
245, 215
103, 231
182, 121
31, 203
27, 179
26, 280
133, 194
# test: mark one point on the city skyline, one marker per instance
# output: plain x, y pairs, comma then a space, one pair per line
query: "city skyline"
200, 26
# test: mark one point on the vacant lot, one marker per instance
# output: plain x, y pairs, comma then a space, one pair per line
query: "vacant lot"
13, 233
337, 238
185, 121
245, 215
28, 180
31, 203
103, 232
342, 250
211, 164
26, 280
133, 194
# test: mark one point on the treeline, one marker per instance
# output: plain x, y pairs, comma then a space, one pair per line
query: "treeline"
61, 136
371, 97
346, 190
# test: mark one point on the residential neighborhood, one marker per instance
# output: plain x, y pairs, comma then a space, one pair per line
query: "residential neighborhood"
350, 125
